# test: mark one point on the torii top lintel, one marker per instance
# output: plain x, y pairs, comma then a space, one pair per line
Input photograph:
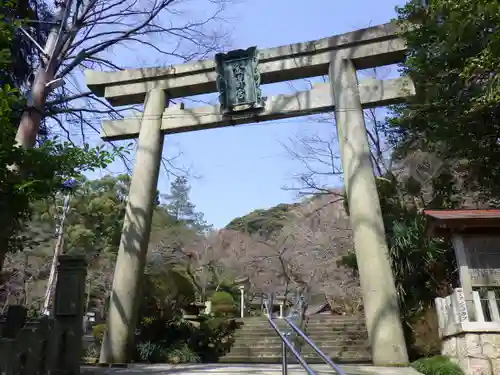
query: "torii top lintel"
374, 46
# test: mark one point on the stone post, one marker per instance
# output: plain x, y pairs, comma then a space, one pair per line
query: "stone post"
126, 292
457, 241
69, 307
383, 321
208, 307
242, 301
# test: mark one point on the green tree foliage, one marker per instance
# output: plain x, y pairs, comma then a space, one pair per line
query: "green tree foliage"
424, 267
453, 59
223, 304
167, 290
184, 230
24, 54
94, 222
44, 168
93, 227
263, 223
179, 206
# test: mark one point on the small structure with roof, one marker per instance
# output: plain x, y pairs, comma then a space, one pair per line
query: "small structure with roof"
469, 319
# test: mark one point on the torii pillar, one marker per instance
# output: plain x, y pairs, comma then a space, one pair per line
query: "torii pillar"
380, 298
127, 282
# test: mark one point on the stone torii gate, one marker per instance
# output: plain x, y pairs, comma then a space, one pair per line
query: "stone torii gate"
338, 57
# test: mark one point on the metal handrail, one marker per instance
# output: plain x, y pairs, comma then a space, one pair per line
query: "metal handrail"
286, 344
318, 351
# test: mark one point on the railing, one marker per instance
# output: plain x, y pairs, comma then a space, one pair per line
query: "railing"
287, 345
457, 313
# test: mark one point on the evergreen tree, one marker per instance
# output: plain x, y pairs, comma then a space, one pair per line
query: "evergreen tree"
179, 206
453, 60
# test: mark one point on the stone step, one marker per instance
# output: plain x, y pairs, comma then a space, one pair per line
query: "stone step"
335, 332
317, 340
261, 326
347, 357
324, 325
306, 328
357, 345
336, 326
314, 322
323, 343
339, 344
361, 352
329, 351
262, 340
334, 337
305, 350
342, 338
326, 330
335, 320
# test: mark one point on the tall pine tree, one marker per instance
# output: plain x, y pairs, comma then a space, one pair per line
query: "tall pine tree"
179, 206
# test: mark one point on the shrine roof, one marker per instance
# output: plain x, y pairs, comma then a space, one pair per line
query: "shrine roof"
442, 222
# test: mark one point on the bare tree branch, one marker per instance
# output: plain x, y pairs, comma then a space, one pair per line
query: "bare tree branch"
318, 156
169, 29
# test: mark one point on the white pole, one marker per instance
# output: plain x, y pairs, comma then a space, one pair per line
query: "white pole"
57, 251
242, 301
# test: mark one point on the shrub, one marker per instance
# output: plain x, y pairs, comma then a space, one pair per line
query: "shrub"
181, 354
161, 352
90, 355
223, 304
148, 351
213, 338
229, 311
98, 332
179, 341
437, 365
423, 337
222, 298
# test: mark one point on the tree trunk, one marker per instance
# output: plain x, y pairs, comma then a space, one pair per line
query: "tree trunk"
3, 253
32, 116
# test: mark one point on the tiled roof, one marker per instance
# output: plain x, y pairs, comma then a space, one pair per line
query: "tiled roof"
463, 214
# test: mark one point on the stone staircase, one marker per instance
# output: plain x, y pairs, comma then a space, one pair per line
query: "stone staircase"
343, 339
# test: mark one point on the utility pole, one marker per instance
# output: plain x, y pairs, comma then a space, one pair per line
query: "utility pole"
44, 81
68, 187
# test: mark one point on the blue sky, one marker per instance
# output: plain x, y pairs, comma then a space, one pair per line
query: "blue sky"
244, 168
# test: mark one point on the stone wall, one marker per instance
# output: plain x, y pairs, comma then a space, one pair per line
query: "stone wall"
475, 352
